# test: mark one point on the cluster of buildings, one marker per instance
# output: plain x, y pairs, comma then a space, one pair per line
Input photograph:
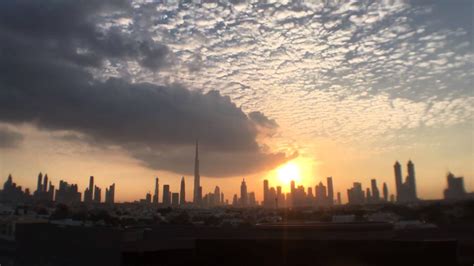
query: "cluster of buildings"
299, 196
322, 196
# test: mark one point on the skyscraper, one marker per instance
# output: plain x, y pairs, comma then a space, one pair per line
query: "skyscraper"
375, 191
321, 196
243, 194
45, 183
97, 194
455, 189
89, 192
175, 199
411, 181
385, 192
182, 192
156, 195
398, 179
166, 196
217, 196
265, 192
355, 194
110, 194
251, 199
330, 199
197, 178
406, 191
39, 186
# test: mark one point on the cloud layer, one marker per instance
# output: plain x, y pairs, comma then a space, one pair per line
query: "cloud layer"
345, 71
48, 70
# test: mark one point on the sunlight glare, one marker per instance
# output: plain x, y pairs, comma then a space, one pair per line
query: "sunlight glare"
288, 172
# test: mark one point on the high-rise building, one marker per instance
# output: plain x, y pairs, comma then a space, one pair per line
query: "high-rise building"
45, 183
182, 192
166, 195
339, 200
67, 193
368, 195
265, 192
13, 193
197, 178
42, 193
330, 199
110, 194
39, 187
321, 196
252, 201
217, 196
455, 189
175, 199
243, 194
89, 192
148, 198
97, 194
235, 201
355, 194
280, 198
375, 191
156, 195
398, 179
385, 192
411, 181
406, 191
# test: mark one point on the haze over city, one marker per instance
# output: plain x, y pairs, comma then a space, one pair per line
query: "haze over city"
280, 91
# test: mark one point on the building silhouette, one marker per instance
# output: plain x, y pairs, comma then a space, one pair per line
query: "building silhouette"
43, 192
375, 197
175, 199
13, 193
166, 196
406, 191
355, 194
251, 199
182, 192
110, 194
67, 193
157, 190
217, 196
321, 196
197, 195
97, 194
266, 190
243, 194
330, 198
385, 192
89, 192
455, 189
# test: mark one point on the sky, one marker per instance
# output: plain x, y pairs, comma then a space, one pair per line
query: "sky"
121, 90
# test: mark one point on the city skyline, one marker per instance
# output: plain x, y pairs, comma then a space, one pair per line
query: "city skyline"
298, 194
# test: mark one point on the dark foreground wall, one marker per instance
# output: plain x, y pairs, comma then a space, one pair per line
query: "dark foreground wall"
302, 252
49, 244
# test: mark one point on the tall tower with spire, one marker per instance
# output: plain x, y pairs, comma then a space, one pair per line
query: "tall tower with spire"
411, 180
398, 180
182, 193
156, 194
197, 178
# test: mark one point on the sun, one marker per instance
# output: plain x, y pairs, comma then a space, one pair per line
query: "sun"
288, 172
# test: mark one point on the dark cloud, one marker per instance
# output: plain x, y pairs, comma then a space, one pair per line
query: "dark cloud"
72, 31
262, 120
9, 138
45, 79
